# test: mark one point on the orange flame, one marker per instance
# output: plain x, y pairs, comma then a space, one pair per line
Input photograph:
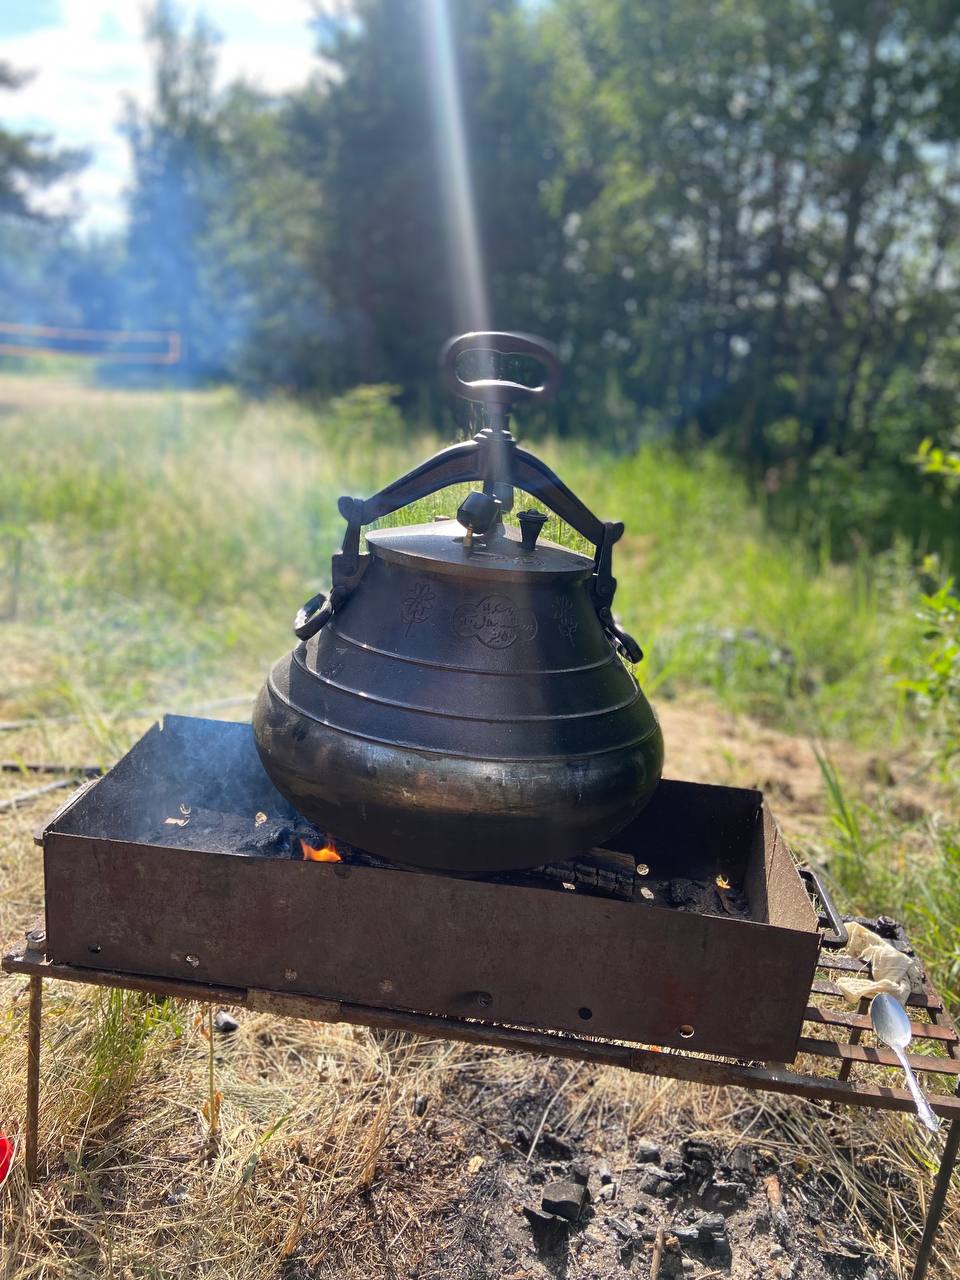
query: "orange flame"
327, 854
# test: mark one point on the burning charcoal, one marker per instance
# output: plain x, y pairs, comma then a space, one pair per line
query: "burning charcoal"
682, 893
225, 1022
272, 840
322, 851
565, 1198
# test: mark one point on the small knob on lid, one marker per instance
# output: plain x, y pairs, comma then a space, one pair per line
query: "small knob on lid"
531, 522
477, 512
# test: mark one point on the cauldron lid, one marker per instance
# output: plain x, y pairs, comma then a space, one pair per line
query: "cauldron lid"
440, 546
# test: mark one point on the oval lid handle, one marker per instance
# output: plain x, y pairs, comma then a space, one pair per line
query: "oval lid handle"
500, 391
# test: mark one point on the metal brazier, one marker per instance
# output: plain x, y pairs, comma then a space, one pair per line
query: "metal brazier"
459, 699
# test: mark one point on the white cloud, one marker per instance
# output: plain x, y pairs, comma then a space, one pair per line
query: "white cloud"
87, 64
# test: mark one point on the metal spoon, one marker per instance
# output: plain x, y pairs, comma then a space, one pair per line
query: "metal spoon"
892, 1025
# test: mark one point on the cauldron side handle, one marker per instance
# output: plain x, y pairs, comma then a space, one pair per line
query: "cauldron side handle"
532, 474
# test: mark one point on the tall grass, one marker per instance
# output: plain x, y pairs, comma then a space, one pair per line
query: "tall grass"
903, 862
165, 542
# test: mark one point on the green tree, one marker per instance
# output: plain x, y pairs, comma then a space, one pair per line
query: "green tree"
367, 139
760, 203
28, 161
30, 241
264, 237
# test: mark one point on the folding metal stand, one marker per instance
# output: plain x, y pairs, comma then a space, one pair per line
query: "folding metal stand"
825, 1077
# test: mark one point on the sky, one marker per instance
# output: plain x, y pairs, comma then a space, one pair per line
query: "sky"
87, 55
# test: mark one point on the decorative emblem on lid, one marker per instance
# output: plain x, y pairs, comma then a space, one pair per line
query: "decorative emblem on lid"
417, 604
567, 624
495, 621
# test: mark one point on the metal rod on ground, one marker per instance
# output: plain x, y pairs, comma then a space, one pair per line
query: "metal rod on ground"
24, 797
144, 714
937, 1200
33, 1076
77, 770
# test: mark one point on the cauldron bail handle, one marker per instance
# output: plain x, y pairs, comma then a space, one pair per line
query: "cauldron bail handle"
496, 395
493, 458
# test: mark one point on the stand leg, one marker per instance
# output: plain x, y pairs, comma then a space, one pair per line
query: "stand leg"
33, 1076
937, 1200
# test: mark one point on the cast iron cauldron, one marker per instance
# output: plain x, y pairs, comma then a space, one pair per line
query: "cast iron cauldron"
459, 700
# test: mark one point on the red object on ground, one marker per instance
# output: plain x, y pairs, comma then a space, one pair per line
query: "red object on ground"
7, 1148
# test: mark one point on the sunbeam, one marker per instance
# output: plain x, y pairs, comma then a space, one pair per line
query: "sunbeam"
471, 305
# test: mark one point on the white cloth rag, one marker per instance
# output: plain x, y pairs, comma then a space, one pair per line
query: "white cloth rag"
892, 972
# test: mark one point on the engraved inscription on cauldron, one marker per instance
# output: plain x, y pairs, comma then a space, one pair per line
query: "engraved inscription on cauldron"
567, 624
417, 605
495, 621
